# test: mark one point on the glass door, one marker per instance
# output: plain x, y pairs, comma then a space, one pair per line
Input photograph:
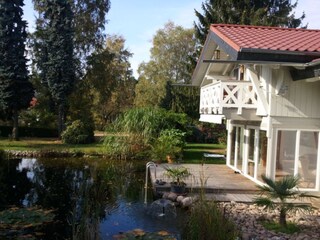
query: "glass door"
239, 148
262, 159
233, 146
252, 149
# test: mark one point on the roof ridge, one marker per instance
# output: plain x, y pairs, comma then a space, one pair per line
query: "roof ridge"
262, 27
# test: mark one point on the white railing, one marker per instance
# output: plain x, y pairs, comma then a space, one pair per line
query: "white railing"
227, 94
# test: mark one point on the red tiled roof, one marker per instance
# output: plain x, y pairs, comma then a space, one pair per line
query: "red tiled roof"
268, 38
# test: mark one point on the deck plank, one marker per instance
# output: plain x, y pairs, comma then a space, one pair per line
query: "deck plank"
221, 182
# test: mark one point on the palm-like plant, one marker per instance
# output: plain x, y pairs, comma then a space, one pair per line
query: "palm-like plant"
280, 194
177, 174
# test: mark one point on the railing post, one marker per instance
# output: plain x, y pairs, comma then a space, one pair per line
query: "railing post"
148, 165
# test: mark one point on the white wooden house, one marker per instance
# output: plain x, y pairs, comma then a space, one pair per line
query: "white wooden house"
264, 83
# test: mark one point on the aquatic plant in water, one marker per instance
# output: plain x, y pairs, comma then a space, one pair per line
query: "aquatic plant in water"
24, 222
142, 235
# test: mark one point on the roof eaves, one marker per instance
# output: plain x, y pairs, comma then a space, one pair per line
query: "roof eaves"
286, 52
225, 46
292, 64
223, 37
276, 55
200, 69
314, 62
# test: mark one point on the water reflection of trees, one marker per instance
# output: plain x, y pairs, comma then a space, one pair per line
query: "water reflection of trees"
93, 197
81, 192
14, 185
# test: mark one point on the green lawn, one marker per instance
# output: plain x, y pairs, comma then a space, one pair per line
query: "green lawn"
193, 153
42, 144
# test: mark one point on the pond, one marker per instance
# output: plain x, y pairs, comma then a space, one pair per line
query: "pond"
86, 198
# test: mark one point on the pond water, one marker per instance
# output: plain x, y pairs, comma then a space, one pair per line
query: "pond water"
90, 198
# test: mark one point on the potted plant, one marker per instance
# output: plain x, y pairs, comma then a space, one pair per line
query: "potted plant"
177, 175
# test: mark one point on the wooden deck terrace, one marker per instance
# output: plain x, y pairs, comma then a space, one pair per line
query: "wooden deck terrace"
219, 182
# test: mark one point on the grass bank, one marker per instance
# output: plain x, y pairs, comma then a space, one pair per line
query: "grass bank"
44, 144
192, 153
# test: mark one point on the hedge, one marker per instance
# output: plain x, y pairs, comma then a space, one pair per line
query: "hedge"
6, 131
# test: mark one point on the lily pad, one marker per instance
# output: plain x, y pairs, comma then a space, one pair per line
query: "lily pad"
23, 222
142, 235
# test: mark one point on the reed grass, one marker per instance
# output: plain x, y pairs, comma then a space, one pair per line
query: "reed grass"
207, 221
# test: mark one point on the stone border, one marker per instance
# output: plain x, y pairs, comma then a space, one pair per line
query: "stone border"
247, 217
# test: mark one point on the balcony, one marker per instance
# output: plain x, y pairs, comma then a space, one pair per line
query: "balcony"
216, 97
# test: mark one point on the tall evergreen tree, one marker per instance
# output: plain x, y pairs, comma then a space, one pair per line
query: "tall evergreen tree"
247, 12
16, 91
87, 30
59, 62
89, 19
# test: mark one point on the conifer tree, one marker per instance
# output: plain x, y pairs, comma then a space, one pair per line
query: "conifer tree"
59, 62
246, 12
81, 24
89, 19
16, 91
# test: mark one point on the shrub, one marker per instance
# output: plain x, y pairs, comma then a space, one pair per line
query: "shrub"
78, 133
169, 143
279, 194
136, 130
6, 131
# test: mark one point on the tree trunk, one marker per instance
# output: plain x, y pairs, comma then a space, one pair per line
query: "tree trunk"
61, 119
15, 124
283, 220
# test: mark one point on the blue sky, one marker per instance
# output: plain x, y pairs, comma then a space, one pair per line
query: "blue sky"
138, 20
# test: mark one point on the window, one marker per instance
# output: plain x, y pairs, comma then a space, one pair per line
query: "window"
297, 154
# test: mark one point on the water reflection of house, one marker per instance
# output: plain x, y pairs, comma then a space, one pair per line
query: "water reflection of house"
264, 83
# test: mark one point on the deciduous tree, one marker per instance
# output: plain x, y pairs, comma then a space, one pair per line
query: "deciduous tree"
89, 24
171, 56
110, 80
16, 91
